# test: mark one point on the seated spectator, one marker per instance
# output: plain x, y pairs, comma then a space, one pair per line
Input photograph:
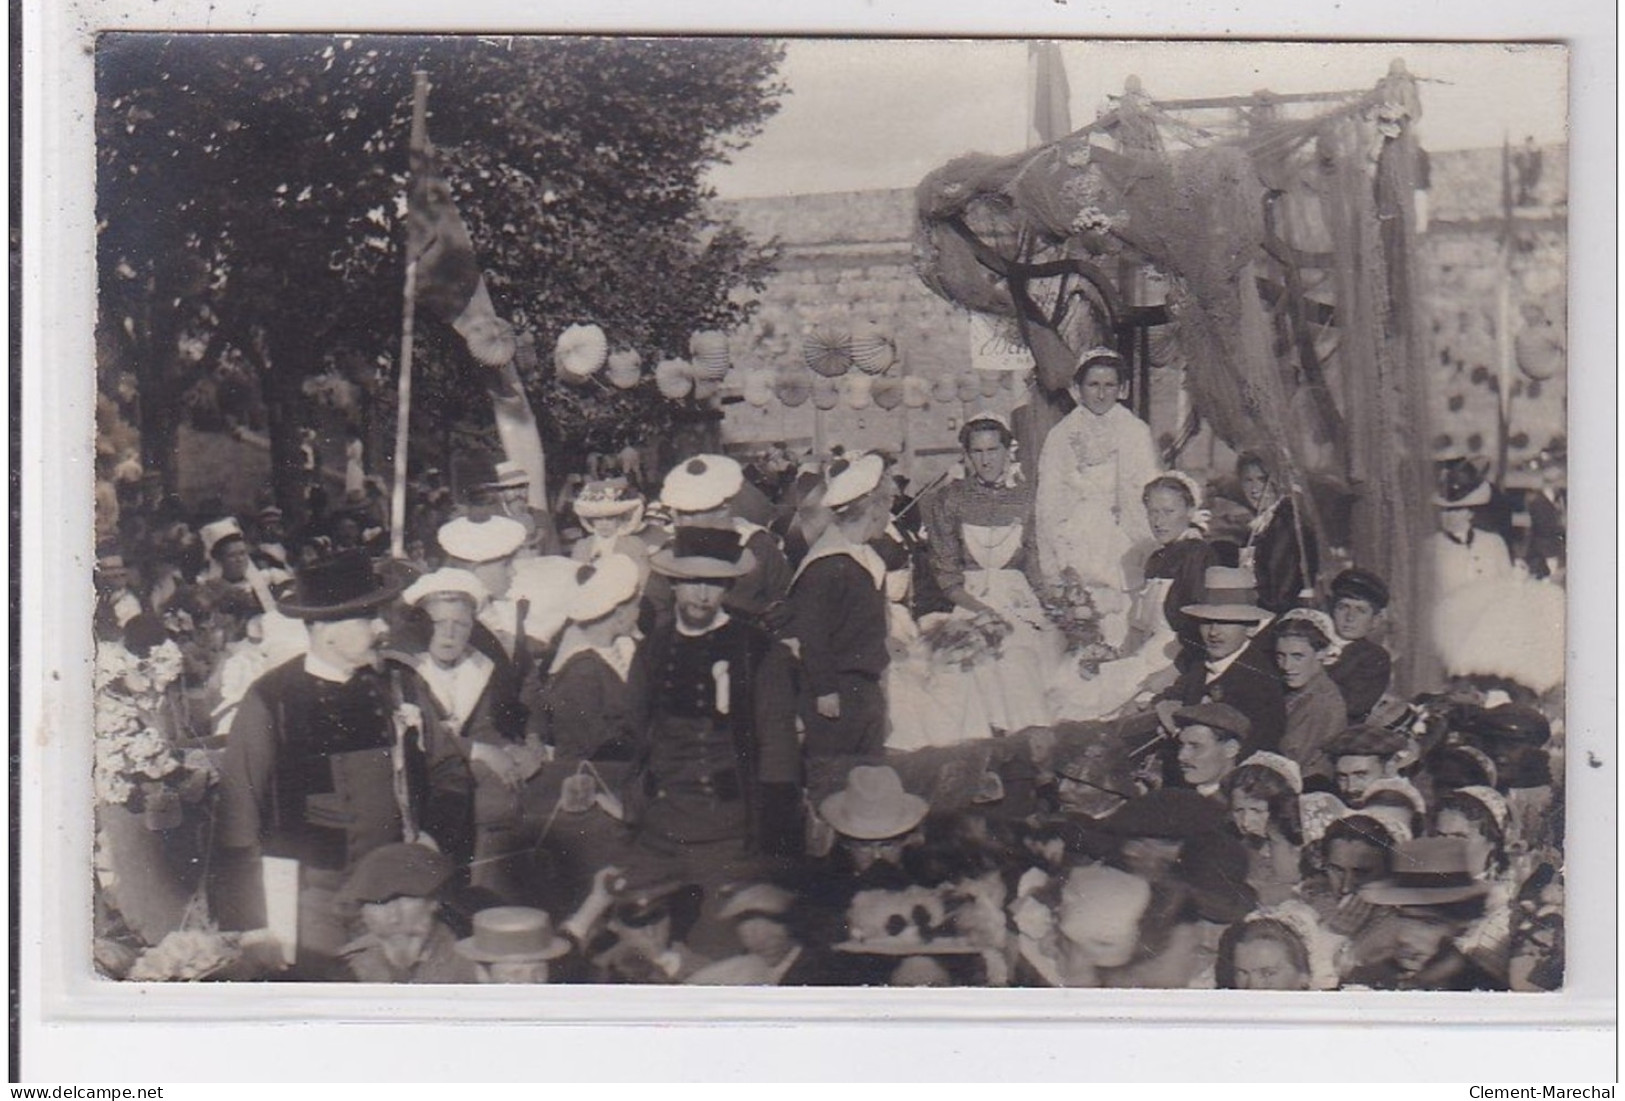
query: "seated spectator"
395, 889
1262, 793
1212, 738
1362, 755
1265, 953
1433, 897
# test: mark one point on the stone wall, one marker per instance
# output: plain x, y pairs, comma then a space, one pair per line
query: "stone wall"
847, 258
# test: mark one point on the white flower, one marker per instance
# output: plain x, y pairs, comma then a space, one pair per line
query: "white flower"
1091, 219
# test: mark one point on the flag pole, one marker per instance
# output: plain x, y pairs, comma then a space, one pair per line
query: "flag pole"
403, 393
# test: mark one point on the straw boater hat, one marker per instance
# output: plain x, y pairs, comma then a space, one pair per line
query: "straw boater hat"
1461, 485
512, 934
1231, 597
487, 540
602, 587
604, 497
1429, 871
703, 554
341, 587
873, 806
703, 483
449, 579
850, 478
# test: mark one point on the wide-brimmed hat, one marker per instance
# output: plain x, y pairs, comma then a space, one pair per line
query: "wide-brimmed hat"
702, 483
1169, 813
1359, 584
448, 579
873, 806
1513, 724
512, 934
1461, 485
1218, 716
849, 478
601, 587
399, 870
487, 540
703, 554
344, 586
1231, 596
603, 497
1429, 871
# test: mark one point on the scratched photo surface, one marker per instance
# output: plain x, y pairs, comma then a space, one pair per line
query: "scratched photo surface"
819, 512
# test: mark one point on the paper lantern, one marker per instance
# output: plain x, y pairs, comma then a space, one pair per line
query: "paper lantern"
989, 383
916, 393
825, 393
794, 388
625, 368
673, 378
580, 352
968, 387
873, 352
888, 392
709, 351
828, 351
944, 390
858, 390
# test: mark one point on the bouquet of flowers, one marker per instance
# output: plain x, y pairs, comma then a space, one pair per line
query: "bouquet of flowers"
136, 764
956, 640
1070, 605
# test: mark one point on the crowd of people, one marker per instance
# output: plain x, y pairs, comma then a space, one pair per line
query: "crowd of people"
782, 723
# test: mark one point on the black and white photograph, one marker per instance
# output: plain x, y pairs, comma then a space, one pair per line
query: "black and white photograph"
739, 511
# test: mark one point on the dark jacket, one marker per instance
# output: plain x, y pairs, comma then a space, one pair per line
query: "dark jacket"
1249, 686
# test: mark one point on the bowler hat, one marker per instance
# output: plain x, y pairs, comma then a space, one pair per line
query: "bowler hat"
1516, 724
512, 934
398, 870
1231, 596
341, 587
1429, 871
1358, 584
703, 554
1461, 485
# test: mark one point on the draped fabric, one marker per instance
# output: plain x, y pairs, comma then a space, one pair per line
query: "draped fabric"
1288, 250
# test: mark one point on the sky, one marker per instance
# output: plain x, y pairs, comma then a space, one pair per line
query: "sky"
865, 114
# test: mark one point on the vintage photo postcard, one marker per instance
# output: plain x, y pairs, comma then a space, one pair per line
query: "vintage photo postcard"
826, 513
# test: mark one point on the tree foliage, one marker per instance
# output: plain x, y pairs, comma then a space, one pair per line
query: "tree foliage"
251, 195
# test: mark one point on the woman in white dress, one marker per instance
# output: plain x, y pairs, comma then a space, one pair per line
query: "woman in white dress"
1090, 518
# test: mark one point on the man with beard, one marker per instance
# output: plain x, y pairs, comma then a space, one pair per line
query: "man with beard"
307, 774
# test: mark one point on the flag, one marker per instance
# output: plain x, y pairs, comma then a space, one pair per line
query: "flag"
449, 282
1052, 97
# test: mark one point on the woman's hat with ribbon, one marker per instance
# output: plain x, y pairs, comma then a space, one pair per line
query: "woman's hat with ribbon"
849, 478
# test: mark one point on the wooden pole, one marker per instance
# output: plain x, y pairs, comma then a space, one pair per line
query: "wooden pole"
403, 393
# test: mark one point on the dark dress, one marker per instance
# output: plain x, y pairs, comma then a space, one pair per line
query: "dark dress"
1276, 562
838, 613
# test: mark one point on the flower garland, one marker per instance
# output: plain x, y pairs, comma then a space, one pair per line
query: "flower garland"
136, 762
